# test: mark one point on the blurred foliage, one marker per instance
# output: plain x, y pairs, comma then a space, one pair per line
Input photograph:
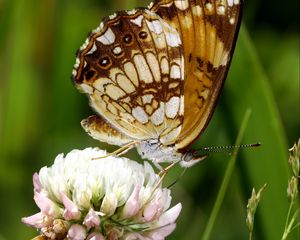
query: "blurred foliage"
40, 112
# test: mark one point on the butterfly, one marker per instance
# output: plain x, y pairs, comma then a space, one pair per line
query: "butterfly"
153, 75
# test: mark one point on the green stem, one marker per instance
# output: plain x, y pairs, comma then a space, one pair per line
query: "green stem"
296, 226
284, 236
225, 182
250, 235
288, 229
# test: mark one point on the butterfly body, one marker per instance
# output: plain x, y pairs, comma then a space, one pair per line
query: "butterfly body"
151, 148
154, 75
154, 150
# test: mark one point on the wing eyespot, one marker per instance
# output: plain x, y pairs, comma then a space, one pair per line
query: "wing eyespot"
143, 35
128, 39
105, 62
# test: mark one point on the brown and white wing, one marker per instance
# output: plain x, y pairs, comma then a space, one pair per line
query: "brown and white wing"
132, 67
99, 129
208, 29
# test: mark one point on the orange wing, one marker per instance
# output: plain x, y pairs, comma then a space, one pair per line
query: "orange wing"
208, 30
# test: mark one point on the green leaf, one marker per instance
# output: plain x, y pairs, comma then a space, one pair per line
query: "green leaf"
226, 179
248, 87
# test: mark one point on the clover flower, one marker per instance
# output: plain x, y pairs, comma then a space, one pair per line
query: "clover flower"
111, 198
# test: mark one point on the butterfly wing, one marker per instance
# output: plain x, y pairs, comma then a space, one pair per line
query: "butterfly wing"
131, 67
208, 29
99, 129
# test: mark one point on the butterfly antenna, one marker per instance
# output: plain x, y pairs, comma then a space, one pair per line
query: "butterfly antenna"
216, 149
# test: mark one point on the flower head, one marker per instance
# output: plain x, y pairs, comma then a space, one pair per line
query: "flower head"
252, 205
292, 189
111, 198
294, 158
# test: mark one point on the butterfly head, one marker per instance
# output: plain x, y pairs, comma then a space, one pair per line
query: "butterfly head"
191, 157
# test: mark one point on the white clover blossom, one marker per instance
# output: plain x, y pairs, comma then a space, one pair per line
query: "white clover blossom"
111, 198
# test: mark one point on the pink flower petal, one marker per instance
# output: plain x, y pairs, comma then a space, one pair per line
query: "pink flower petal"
36, 182
46, 205
150, 211
135, 236
155, 207
161, 233
71, 211
169, 216
132, 207
163, 201
38, 220
95, 236
92, 219
77, 232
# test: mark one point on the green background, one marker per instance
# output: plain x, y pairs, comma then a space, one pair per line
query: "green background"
40, 111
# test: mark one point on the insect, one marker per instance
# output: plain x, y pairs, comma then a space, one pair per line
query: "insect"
153, 75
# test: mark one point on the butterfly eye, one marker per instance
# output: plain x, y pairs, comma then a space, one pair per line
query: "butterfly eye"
143, 35
127, 38
104, 62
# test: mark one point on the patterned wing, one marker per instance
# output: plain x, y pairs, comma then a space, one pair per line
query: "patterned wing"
208, 29
131, 67
99, 129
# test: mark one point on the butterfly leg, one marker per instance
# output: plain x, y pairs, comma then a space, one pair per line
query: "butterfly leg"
162, 175
165, 170
177, 179
156, 164
119, 151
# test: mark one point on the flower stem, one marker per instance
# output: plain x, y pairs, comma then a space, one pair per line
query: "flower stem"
250, 235
296, 226
287, 221
225, 182
289, 227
